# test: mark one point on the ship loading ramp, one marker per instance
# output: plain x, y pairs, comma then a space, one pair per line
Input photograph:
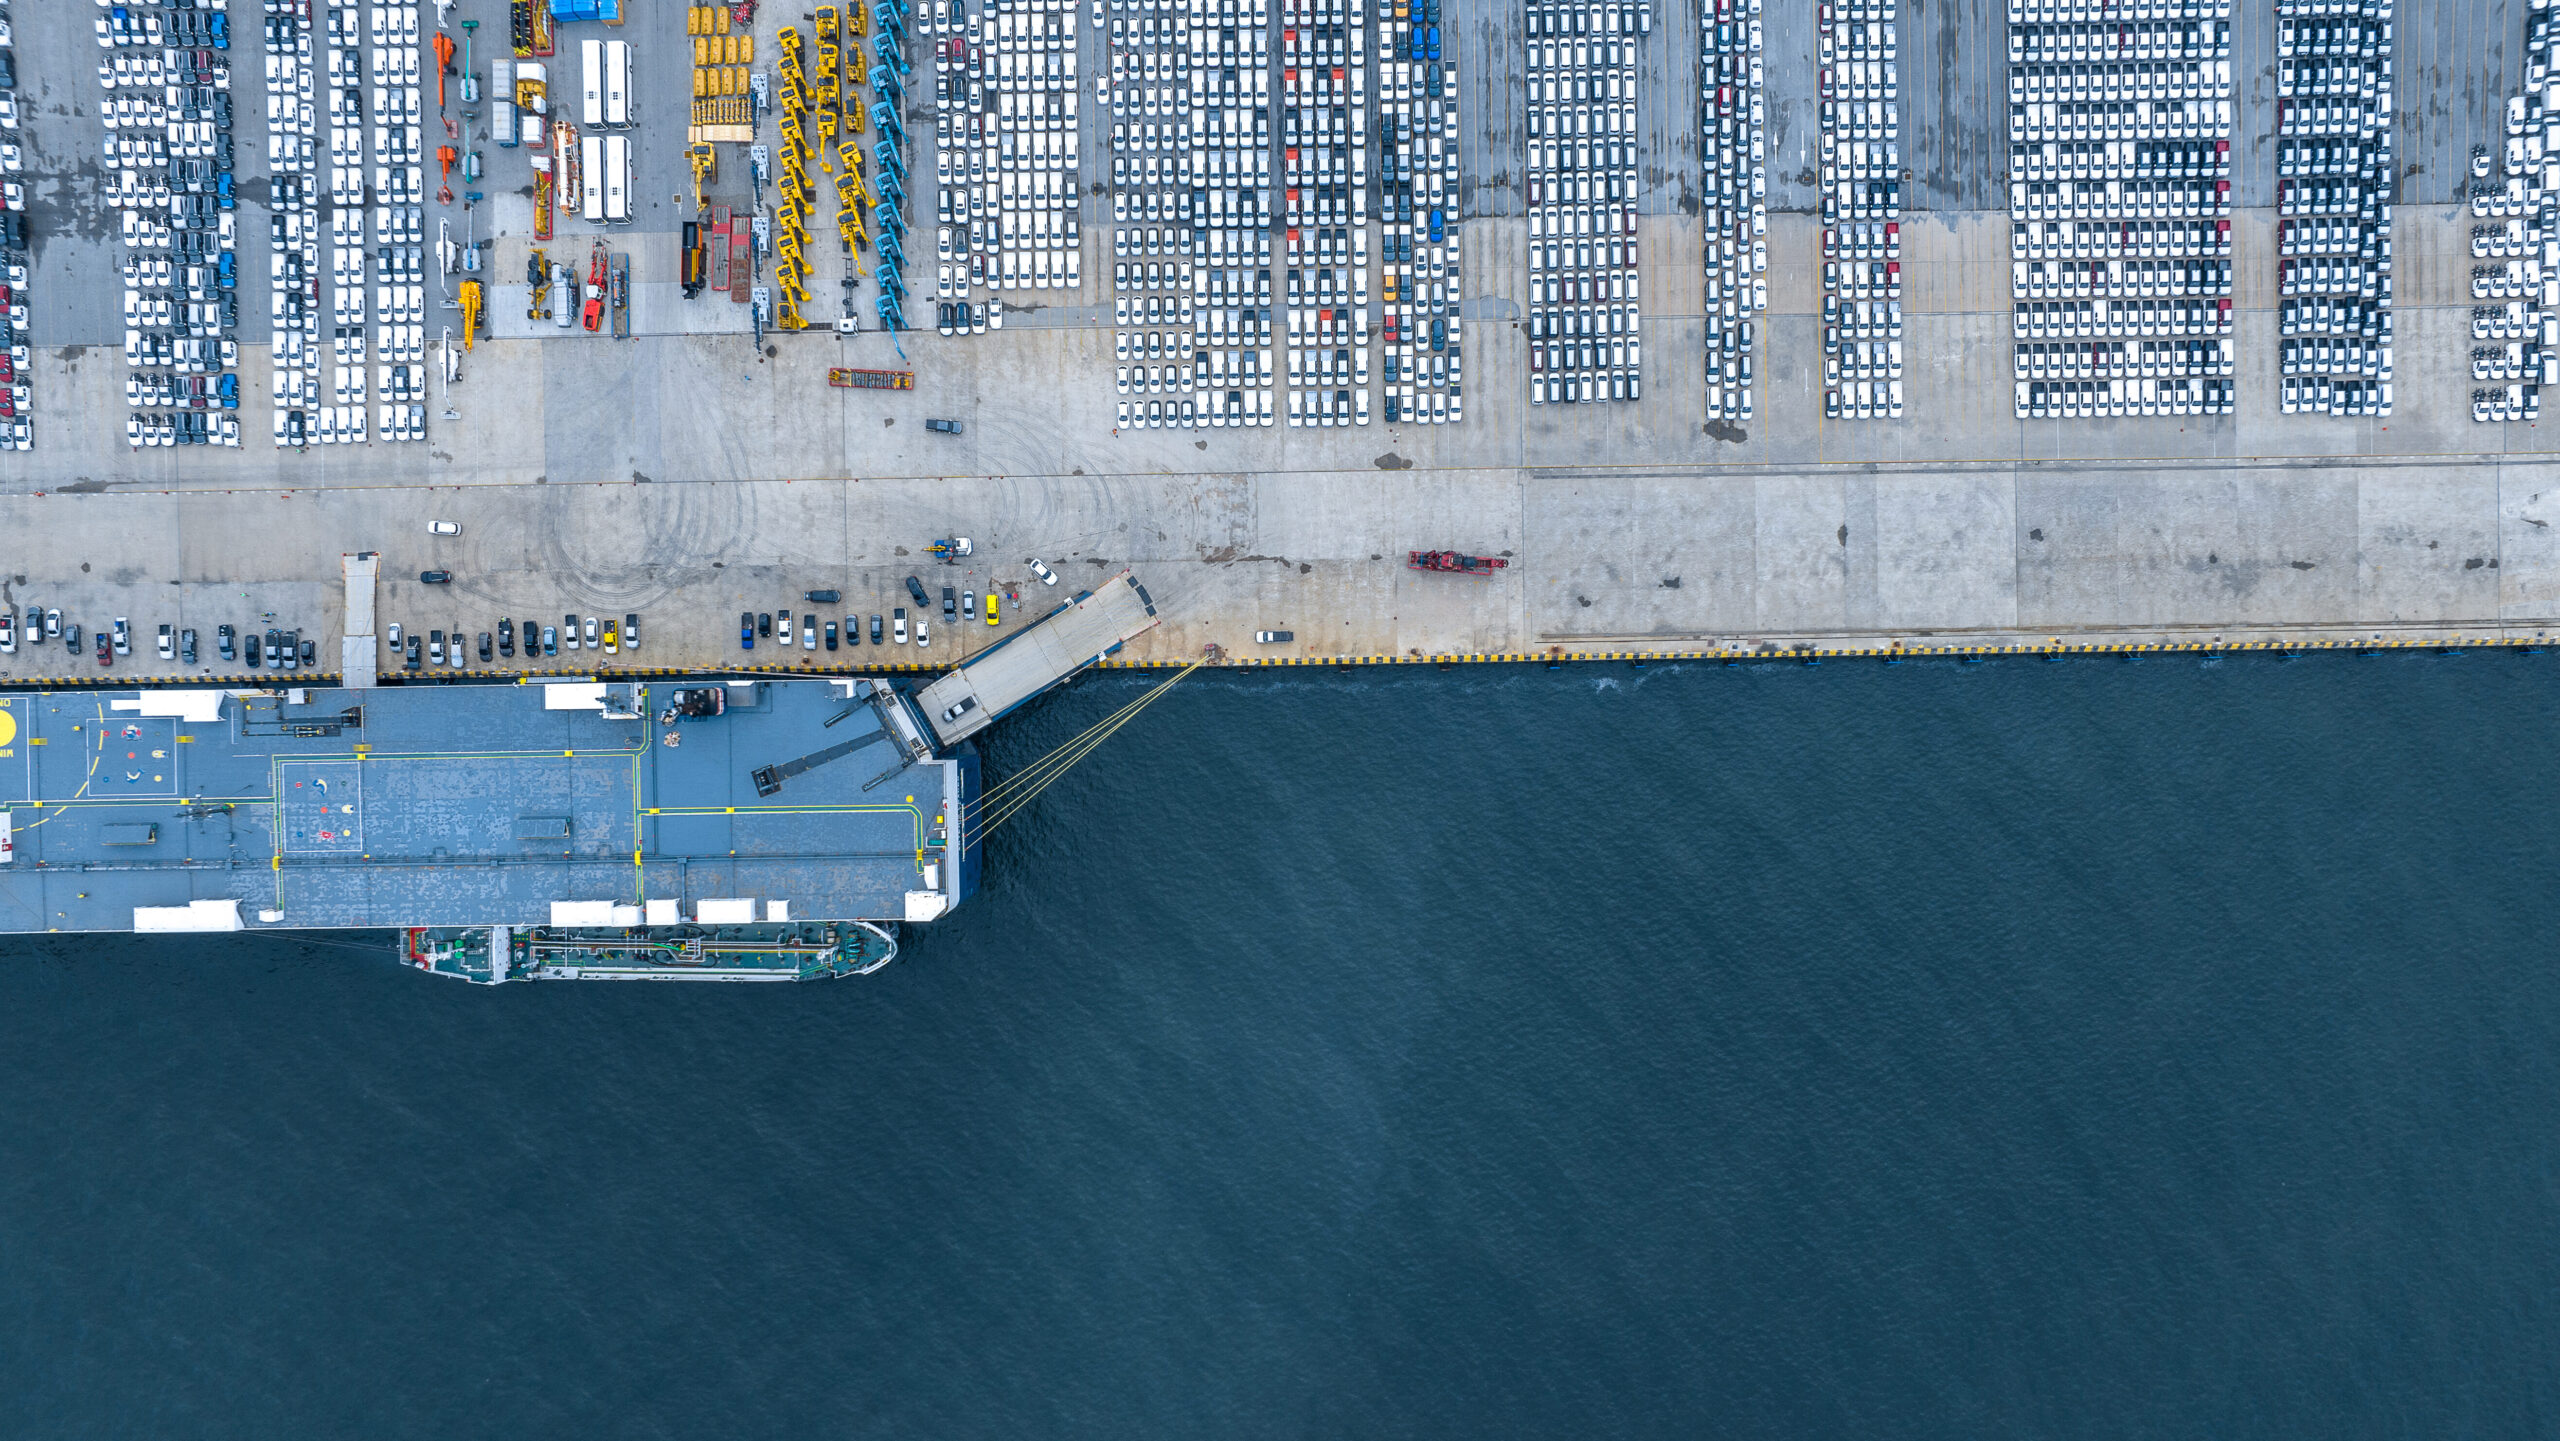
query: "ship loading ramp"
1040, 655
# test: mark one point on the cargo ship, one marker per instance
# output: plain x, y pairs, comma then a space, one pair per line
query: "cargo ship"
704, 828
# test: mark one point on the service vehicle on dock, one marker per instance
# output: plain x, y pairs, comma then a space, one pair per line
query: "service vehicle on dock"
1450, 562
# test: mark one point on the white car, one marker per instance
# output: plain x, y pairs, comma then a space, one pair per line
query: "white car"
443, 527
1047, 576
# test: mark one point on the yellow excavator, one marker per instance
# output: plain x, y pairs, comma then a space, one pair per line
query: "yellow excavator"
705, 168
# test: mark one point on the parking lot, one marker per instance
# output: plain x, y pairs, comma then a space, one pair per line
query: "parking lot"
167, 172
689, 398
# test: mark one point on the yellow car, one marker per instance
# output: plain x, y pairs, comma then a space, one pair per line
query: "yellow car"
991, 607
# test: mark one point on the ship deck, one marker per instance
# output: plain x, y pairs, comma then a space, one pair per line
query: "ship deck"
463, 805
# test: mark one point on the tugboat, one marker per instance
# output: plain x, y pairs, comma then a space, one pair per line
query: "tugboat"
1450, 562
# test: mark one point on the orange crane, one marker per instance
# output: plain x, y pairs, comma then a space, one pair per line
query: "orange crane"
444, 64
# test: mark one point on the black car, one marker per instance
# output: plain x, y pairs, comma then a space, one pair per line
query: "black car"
764, 623
435, 577
915, 588
831, 635
875, 630
506, 637
310, 654
822, 597
943, 427
484, 647
950, 604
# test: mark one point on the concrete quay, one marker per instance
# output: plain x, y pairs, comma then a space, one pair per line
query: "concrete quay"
687, 474
1604, 562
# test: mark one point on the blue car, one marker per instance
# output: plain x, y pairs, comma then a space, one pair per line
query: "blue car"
222, 190
1435, 225
1430, 44
221, 31
746, 630
228, 387
226, 272
1439, 335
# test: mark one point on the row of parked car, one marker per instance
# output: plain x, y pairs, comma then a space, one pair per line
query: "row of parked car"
1858, 48
293, 231
378, 306
1147, 83
2333, 139
1323, 173
1733, 154
166, 157
2514, 189
17, 424
440, 649
1585, 342
2119, 199
959, 607
274, 650
1422, 362
1006, 147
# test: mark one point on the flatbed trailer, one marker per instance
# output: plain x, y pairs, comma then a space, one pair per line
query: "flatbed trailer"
847, 378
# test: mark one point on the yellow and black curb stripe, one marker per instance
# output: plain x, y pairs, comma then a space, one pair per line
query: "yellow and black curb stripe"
269, 680
2056, 647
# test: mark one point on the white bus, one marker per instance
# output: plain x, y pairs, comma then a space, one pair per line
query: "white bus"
591, 176
591, 82
617, 179
617, 84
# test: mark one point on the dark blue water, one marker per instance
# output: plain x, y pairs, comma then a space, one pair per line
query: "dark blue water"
2161, 1049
